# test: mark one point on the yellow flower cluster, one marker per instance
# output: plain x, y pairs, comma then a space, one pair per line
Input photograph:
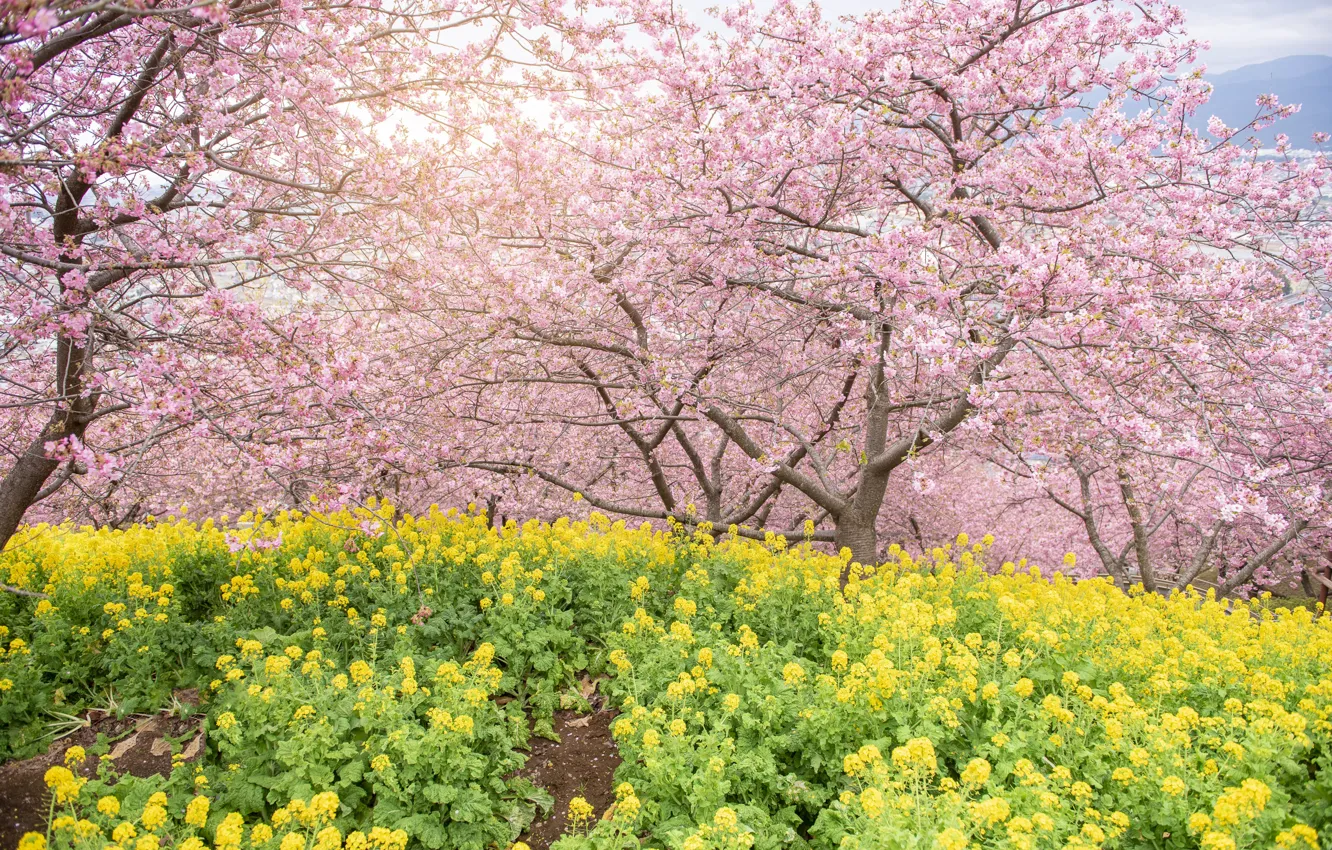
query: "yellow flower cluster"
580, 813
299, 825
724, 832
1138, 729
931, 701
63, 784
1121, 701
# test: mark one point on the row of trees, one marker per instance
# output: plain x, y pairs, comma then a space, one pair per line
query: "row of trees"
957, 265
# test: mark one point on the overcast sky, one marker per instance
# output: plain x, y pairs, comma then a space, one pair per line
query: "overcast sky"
1242, 32
1246, 31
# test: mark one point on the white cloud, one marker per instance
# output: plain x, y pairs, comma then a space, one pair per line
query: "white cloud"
1243, 32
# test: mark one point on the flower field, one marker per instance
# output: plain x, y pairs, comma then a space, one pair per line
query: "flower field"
372, 681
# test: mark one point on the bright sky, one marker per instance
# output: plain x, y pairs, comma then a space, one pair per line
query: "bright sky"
1242, 32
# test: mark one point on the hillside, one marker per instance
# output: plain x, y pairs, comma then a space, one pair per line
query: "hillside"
1306, 80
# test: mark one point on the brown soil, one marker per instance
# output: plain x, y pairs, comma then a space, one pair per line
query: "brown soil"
137, 747
582, 764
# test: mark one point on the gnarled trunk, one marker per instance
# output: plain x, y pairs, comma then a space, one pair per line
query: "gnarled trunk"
861, 538
857, 526
22, 485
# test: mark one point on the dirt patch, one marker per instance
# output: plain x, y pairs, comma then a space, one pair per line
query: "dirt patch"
139, 746
582, 764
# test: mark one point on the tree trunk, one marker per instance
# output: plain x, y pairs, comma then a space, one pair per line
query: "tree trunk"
22, 486
860, 537
1322, 586
1244, 573
1141, 550
857, 526
30, 472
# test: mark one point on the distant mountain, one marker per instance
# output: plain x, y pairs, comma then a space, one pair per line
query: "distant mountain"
1286, 68
1306, 80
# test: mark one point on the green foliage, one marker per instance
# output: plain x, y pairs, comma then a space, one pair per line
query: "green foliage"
370, 684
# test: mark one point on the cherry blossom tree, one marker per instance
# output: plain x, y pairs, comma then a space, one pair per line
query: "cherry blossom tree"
596, 412
1224, 475
843, 280
192, 192
849, 243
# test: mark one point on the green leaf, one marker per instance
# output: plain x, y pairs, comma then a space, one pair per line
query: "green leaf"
440, 794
